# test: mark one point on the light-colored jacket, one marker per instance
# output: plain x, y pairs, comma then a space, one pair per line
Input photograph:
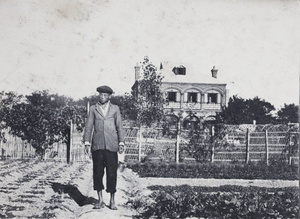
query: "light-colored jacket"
104, 132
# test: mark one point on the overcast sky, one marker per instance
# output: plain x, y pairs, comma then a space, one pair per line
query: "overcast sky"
72, 47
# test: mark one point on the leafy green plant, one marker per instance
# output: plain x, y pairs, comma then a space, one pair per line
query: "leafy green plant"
276, 170
221, 202
202, 142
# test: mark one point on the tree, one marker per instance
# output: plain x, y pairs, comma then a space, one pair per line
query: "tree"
240, 111
149, 100
260, 111
42, 119
7, 101
234, 113
288, 113
126, 104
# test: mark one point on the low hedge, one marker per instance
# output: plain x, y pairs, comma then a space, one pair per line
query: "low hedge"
275, 170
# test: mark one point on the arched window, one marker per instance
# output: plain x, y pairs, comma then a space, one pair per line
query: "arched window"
170, 125
210, 120
191, 122
172, 95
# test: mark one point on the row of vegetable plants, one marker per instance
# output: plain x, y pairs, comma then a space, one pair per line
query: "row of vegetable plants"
258, 170
218, 202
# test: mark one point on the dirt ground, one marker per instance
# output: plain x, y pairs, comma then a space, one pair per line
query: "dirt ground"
48, 189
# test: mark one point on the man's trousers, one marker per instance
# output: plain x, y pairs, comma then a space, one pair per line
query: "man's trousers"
104, 159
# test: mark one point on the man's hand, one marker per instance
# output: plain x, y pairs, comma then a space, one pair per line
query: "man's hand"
87, 148
121, 147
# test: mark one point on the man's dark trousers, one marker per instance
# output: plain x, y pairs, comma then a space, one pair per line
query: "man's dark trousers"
109, 160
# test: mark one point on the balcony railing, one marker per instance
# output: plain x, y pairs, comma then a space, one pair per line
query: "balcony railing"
192, 105
196, 106
175, 105
211, 106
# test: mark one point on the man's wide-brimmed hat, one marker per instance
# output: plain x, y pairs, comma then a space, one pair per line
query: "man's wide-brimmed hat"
104, 89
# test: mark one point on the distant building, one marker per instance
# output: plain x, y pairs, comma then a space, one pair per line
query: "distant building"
196, 99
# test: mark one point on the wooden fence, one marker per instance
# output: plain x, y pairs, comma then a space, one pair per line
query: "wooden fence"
14, 147
241, 147
259, 146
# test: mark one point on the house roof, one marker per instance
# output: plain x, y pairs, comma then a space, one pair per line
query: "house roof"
191, 76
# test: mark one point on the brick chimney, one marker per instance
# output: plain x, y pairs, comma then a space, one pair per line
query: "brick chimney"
137, 72
214, 72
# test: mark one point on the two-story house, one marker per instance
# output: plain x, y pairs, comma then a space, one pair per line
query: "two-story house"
195, 98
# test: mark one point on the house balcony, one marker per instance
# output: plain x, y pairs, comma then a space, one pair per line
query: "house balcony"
193, 106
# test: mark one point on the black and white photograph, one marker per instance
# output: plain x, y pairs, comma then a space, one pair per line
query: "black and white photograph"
149, 109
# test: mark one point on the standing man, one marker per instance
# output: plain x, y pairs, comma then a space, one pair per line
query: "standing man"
104, 134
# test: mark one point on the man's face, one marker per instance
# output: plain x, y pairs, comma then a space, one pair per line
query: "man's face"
104, 97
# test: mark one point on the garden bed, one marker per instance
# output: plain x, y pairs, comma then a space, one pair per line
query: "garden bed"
219, 202
279, 170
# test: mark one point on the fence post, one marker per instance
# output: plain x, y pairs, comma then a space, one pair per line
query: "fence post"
290, 154
177, 143
177, 147
2, 150
247, 145
140, 144
22, 143
69, 143
213, 145
14, 147
31, 150
267, 147
213, 153
7, 147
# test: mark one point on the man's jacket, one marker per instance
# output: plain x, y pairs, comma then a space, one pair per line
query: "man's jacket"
105, 131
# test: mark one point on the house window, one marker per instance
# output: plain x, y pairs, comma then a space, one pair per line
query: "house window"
180, 70
192, 97
212, 98
172, 96
191, 122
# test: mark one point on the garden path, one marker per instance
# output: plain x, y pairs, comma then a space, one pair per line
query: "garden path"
130, 186
218, 182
